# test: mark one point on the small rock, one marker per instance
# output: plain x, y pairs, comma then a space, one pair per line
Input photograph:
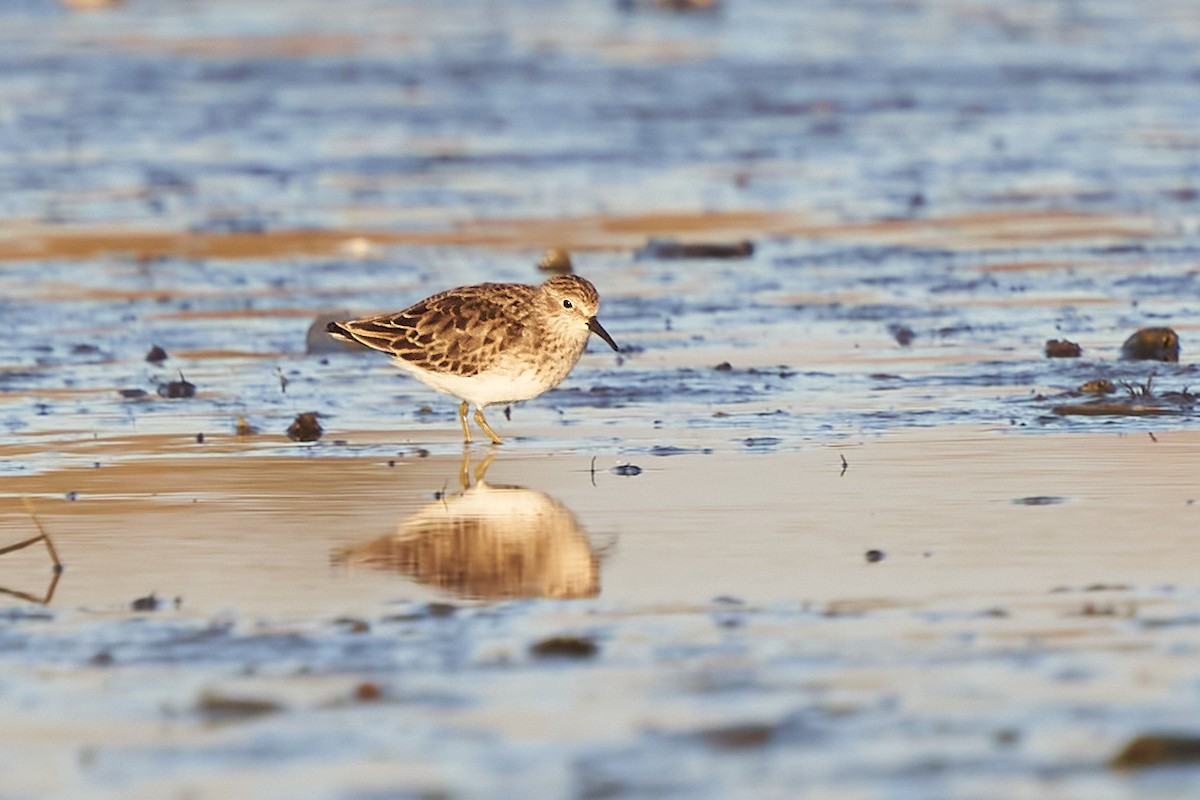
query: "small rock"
174, 390
156, 355
1062, 349
1156, 749
305, 428
367, 692
724, 366
556, 260
875, 556
1100, 386
626, 470
1151, 344
673, 249
147, 603
738, 737
134, 394
353, 624
220, 708
1039, 500
564, 647
903, 334
440, 609
682, 6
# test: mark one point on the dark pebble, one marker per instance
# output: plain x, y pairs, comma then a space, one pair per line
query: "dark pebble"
219, 707
738, 737
903, 334
1039, 500
564, 647
441, 609
147, 603
156, 355
305, 428
1062, 349
1151, 344
1100, 386
874, 556
556, 260
367, 692
672, 249
176, 389
1157, 749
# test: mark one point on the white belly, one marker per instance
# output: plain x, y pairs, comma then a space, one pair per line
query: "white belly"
485, 388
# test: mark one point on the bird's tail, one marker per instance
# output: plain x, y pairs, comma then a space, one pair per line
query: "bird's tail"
348, 332
340, 333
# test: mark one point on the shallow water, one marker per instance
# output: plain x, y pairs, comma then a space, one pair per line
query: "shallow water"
787, 552
1025, 582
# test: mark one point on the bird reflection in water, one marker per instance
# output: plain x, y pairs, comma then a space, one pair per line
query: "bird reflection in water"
491, 543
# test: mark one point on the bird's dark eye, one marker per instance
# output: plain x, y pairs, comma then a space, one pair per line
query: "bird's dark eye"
568, 304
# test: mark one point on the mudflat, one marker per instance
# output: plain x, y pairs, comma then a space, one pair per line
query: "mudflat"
831, 524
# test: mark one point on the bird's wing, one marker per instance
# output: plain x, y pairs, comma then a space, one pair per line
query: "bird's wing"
460, 331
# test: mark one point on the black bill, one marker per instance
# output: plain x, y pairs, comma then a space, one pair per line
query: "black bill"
598, 329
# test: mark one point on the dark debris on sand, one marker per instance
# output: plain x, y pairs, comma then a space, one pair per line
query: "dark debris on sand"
564, 647
305, 428
174, 390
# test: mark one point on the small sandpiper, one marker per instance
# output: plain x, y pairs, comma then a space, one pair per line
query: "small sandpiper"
490, 343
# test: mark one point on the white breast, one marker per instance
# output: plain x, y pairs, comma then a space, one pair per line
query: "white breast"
486, 388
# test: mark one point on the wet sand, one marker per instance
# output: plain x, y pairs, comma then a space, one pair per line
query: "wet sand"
252, 531
1026, 581
981, 230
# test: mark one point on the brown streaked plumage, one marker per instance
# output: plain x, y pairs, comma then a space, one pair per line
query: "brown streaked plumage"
490, 343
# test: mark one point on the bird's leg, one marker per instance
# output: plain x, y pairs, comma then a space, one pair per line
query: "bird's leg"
464, 474
481, 422
481, 470
462, 417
